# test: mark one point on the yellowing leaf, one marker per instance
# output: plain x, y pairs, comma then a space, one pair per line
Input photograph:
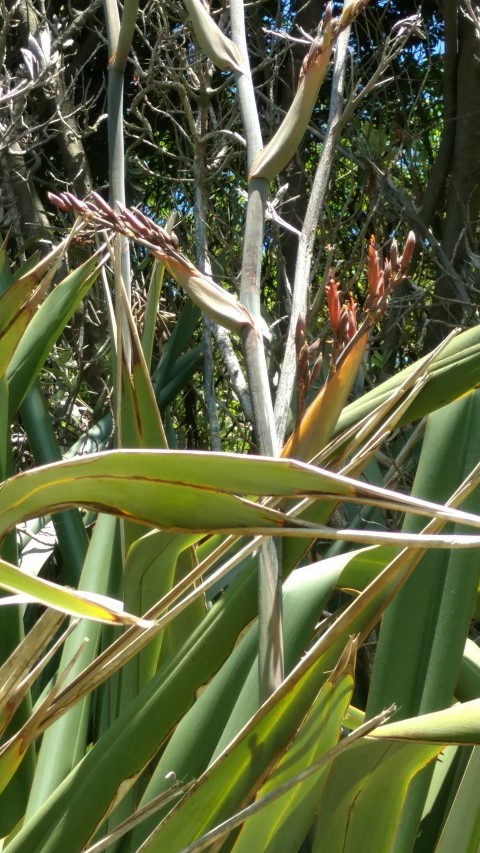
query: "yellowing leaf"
318, 422
68, 601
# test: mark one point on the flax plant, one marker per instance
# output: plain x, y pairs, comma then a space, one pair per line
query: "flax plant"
251, 650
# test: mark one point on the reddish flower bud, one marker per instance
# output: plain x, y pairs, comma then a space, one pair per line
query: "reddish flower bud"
101, 204
316, 368
407, 252
134, 223
343, 324
333, 304
300, 333
302, 365
58, 201
351, 309
387, 275
77, 206
373, 269
394, 256
380, 289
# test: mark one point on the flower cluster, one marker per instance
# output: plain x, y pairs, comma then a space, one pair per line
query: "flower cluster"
382, 281
132, 223
305, 375
343, 318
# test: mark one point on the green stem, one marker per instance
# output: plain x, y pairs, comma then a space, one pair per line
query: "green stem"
270, 635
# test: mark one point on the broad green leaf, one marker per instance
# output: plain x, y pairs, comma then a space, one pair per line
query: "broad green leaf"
141, 424
285, 822
357, 801
354, 783
69, 525
168, 489
228, 701
361, 567
423, 633
461, 830
181, 372
468, 681
14, 749
6, 276
458, 724
26, 287
149, 574
144, 728
11, 337
46, 326
182, 627
177, 345
354, 779
455, 372
239, 770
66, 741
151, 311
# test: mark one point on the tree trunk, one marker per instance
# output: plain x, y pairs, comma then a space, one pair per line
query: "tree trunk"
454, 302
